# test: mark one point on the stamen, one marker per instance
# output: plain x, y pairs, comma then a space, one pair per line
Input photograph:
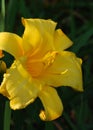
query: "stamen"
37, 66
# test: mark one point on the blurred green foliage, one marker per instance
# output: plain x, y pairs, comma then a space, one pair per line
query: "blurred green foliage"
75, 18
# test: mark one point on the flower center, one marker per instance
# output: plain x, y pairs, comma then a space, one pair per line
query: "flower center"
36, 66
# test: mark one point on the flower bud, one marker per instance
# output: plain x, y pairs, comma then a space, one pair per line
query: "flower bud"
2, 66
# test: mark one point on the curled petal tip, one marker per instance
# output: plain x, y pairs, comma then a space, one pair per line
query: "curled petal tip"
22, 19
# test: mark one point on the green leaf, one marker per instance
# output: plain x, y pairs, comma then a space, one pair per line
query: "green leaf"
82, 40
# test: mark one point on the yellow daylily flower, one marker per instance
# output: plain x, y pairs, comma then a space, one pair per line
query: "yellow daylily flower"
41, 64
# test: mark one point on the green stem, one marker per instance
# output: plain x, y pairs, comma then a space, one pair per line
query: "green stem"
7, 112
7, 116
2, 16
3, 8
73, 127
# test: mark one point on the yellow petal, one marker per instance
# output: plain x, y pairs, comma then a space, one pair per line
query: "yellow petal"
64, 71
18, 87
11, 43
52, 104
41, 25
61, 41
38, 35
